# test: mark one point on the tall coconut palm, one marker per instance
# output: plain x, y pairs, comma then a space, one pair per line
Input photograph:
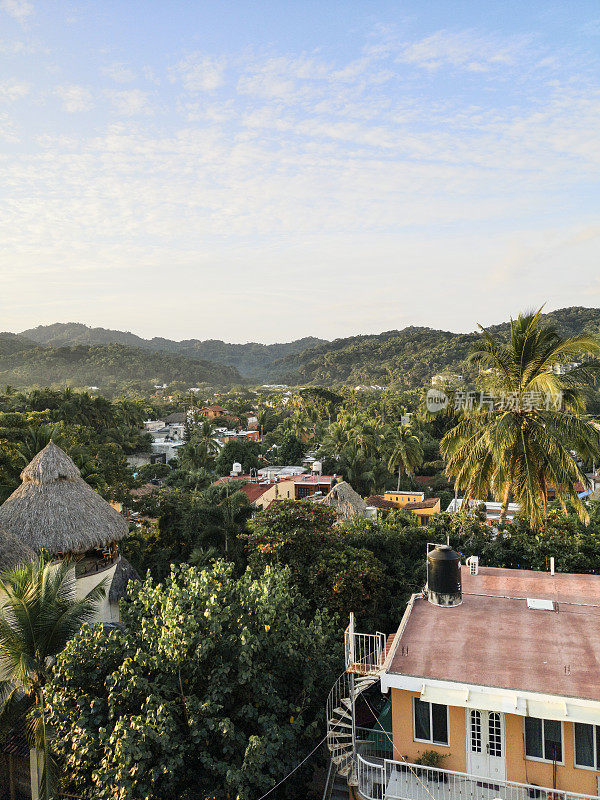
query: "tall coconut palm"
406, 452
39, 613
520, 443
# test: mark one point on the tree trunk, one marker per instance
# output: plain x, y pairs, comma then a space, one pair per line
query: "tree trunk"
399, 475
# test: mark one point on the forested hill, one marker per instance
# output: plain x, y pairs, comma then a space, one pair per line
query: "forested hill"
111, 367
408, 357
81, 356
251, 360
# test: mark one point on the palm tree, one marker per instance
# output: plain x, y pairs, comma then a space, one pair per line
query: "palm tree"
35, 438
521, 443
336, 438
38, 615
406, 452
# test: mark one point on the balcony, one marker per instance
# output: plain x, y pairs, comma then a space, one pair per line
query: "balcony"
365, 652
383, 779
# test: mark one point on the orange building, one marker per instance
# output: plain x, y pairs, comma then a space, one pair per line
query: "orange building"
214, 412
493, 687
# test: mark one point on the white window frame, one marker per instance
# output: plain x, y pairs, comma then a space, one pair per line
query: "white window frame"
583, 766
430, 741
562, 742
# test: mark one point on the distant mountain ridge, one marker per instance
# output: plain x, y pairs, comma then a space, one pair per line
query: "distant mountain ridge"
408, 357
252, 360
404, 358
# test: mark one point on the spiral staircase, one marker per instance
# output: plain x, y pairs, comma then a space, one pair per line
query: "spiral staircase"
365, 657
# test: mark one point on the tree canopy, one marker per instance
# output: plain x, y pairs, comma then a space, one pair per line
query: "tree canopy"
220, 699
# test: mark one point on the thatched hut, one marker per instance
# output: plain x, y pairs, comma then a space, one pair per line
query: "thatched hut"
54, 511
345, 501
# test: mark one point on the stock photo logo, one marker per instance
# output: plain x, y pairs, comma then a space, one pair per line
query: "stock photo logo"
436, 401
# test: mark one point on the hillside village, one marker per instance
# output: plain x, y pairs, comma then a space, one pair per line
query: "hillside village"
350, 512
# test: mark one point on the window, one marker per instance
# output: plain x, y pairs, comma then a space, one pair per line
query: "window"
587, 745
475, 731
430, 722
543, 739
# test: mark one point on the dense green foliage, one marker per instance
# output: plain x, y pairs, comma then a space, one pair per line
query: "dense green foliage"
110, 367
38, 616
219, 700
96, 433
329, 571
520, 449
192, 526
244, 452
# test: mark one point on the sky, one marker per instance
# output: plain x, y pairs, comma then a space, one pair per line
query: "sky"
256, 170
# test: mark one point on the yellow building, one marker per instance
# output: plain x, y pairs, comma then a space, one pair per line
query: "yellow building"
414, 502
401, 499
499, 676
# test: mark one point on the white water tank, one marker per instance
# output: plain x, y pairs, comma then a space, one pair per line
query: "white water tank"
237, 468
317, 467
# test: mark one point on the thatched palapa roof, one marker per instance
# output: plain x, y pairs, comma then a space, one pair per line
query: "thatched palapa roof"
54, 510
13, 551
345, 501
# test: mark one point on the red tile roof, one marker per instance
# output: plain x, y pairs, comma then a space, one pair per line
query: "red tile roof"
377, 501
312, 479
431, 502
255, 490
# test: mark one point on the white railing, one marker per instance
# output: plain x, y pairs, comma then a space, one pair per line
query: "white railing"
394, 780
365, 652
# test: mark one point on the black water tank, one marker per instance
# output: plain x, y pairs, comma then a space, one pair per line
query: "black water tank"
443, 580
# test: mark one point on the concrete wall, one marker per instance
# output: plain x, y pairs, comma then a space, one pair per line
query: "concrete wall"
518, 768
284, 490
523, 770
402, 731
107, 612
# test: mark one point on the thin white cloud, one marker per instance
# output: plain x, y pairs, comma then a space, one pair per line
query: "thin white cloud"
13, 89
364, 165
463, 49
74, 98
131, 102
19, 9
199, 73
119, 73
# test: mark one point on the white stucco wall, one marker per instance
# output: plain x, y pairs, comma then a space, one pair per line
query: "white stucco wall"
107, 612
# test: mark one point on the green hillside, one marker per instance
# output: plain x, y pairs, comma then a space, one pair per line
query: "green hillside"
85, 356
405, 358
252, 360
14, 343
110, 367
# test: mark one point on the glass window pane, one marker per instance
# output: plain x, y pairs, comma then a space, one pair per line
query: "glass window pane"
533, 737
584, 745
475, 731
552, 740
422, 720
439, 717
597, 764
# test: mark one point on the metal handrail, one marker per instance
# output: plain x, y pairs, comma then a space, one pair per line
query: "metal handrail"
396, 780
364, 652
